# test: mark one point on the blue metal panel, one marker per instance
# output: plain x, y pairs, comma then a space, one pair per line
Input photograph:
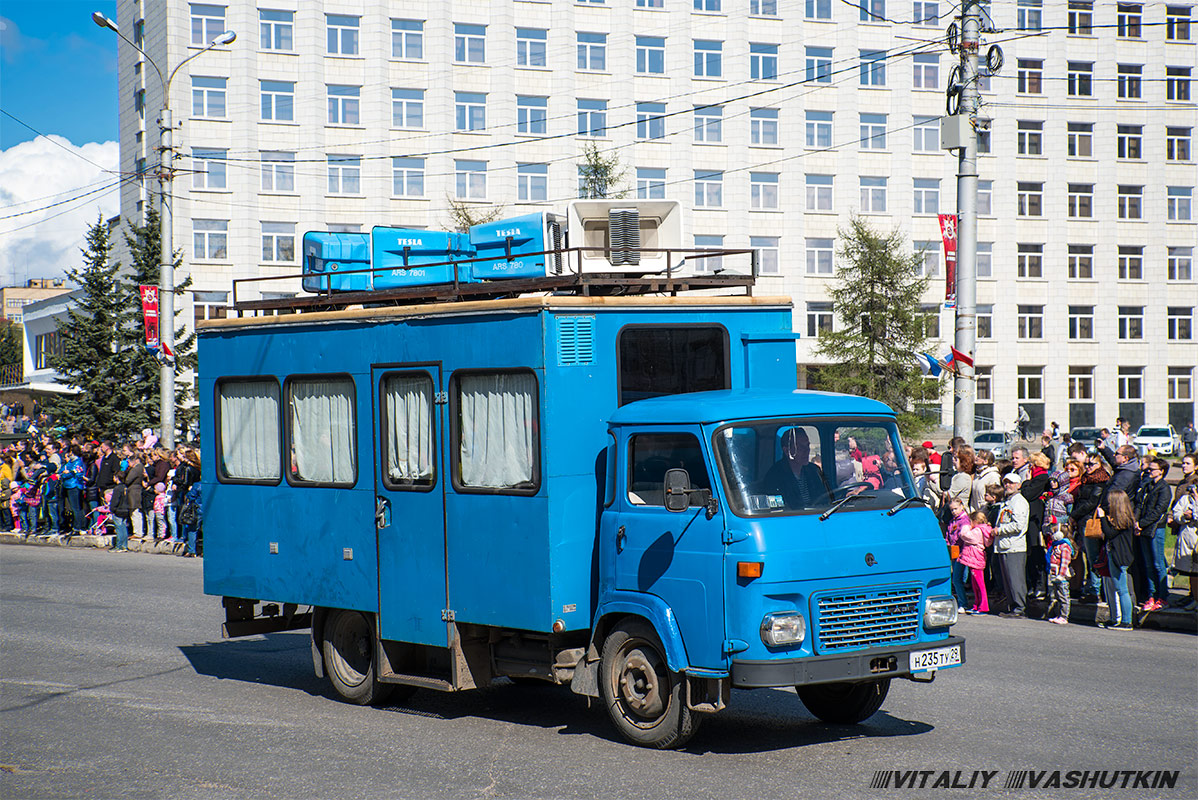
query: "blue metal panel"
511, 245
745, 404
405, 257
328, 254
658, 613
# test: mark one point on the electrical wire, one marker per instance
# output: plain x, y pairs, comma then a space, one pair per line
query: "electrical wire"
52, 141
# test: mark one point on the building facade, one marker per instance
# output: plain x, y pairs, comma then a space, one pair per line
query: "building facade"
771, 121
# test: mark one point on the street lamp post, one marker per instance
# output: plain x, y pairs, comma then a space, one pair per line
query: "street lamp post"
166, 275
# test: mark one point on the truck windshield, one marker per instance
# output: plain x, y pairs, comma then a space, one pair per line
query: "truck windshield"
776, 467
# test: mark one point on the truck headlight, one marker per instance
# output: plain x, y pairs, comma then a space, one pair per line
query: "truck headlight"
787, 627
940, 612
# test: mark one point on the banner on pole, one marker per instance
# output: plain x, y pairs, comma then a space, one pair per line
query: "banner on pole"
948, 232
149, 310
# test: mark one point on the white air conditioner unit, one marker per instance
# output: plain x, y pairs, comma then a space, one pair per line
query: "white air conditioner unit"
624, 229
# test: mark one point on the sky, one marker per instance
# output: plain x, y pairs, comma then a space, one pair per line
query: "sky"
58, 133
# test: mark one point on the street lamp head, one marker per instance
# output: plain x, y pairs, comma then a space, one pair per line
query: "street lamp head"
103, 21
225, 38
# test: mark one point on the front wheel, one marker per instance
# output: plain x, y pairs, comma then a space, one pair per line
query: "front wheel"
844, 703
348, 648
643, 697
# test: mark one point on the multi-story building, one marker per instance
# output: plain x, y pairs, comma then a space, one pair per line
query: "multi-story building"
13, 299
771, 121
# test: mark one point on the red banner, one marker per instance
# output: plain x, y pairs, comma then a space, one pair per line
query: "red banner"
149, 309
948, 232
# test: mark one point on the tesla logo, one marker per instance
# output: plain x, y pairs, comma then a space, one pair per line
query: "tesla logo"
870, 560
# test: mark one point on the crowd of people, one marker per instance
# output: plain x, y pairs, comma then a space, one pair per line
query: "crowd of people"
1072, 520
55, 484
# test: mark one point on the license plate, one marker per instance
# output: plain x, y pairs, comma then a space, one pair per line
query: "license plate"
925, 660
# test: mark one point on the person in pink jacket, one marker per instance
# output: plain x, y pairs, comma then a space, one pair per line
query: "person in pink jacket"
973, 539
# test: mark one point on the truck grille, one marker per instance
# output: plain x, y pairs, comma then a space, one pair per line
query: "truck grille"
857, 620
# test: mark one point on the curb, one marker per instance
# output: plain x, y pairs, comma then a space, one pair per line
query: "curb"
87, 540
1094, 614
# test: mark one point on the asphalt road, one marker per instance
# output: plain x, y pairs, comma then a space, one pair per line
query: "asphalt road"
114, 683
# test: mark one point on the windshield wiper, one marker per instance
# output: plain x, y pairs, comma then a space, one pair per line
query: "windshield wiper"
901, 504
836, 506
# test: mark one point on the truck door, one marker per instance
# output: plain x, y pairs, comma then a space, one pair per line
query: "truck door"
410, 503
677, 556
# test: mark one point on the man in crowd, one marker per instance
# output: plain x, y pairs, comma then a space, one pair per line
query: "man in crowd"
1019, 460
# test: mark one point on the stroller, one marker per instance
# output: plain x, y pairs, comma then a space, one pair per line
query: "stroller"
100, 518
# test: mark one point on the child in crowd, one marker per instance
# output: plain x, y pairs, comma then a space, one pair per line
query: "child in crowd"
975, 538
17, 505
959, 518
1058, 554
158, 516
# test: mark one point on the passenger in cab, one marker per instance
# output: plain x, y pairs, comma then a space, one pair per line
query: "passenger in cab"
800, 483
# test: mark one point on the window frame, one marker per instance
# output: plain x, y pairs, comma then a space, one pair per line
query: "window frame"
384, 478
455, 433
288, 426
721, 329
221, 475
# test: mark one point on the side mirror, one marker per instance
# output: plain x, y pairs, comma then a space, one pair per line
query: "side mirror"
678, 490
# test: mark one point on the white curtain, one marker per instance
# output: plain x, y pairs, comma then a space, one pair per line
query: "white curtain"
249, 429
408, 404
322, 430
498, 413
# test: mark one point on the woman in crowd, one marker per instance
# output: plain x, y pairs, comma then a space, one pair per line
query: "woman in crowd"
1086, 501
73, 474
984, 474
1118, 528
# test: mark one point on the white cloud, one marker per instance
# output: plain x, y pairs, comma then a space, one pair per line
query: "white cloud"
43, 204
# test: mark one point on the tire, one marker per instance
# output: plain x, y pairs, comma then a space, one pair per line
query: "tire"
348, 648
844, 703
643, 697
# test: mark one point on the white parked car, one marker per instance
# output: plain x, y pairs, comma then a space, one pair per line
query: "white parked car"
997, 442
1161, 438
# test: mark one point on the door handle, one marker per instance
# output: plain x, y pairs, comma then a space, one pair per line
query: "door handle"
382, 513
620, 537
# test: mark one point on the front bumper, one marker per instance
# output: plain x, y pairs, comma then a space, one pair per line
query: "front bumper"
878, 662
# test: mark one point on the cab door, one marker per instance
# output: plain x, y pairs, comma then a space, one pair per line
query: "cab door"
410, 503
677, 556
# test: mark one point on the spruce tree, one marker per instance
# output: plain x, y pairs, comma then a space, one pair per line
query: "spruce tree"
877, 298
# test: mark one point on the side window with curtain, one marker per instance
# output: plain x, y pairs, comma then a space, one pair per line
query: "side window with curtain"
496, 436
407, 431
248, 431
322, 431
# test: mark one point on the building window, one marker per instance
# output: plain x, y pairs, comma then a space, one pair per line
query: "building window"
819, 128
211, 239
470, 179
210, 305
1131, 383
1081, 139
407, 39
1030, 137
873, 195
532, 183
714, 263
407, 108
139, 103
819, 64
407, 177
1030, 198
985, 260
592, 117
650, 183
470, 111
278, 101
1180, 266
985, 382
929, 253
650, 4
926, 12
1029, 78
1177, 84
709, 124
1030, 383
1081, 79
650, 120
208, 97
763, 61
342, 34
709, 189
873, 67
277, 29
1081, 261
819, 319
763, 191
278, 241
819, 9
207, 22
767, 254
530, 47
819, 257
1180, 203
985, 321
930, 314
1130, 81
1131, 322
345, 174
1031, 322
1030, 260
1131, 262
1081, 383
926, 71
872, 10
343, 105
927, 195
1131, 202
46, 347
1029, 14
469, 43
592, 51
1177, 23
819, 192
763, 127
1130, 141
532, 114
1181, 383
1081, 322
211, 169
1081, 200
1177, 144
709, 59
985, 198
1181, 323
707, 6
1128, 18
873, 131
926, 135
278, 171
650, 55
1081, 17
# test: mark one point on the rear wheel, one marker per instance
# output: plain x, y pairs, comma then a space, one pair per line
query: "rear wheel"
643, 697
844, 703
348, 649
